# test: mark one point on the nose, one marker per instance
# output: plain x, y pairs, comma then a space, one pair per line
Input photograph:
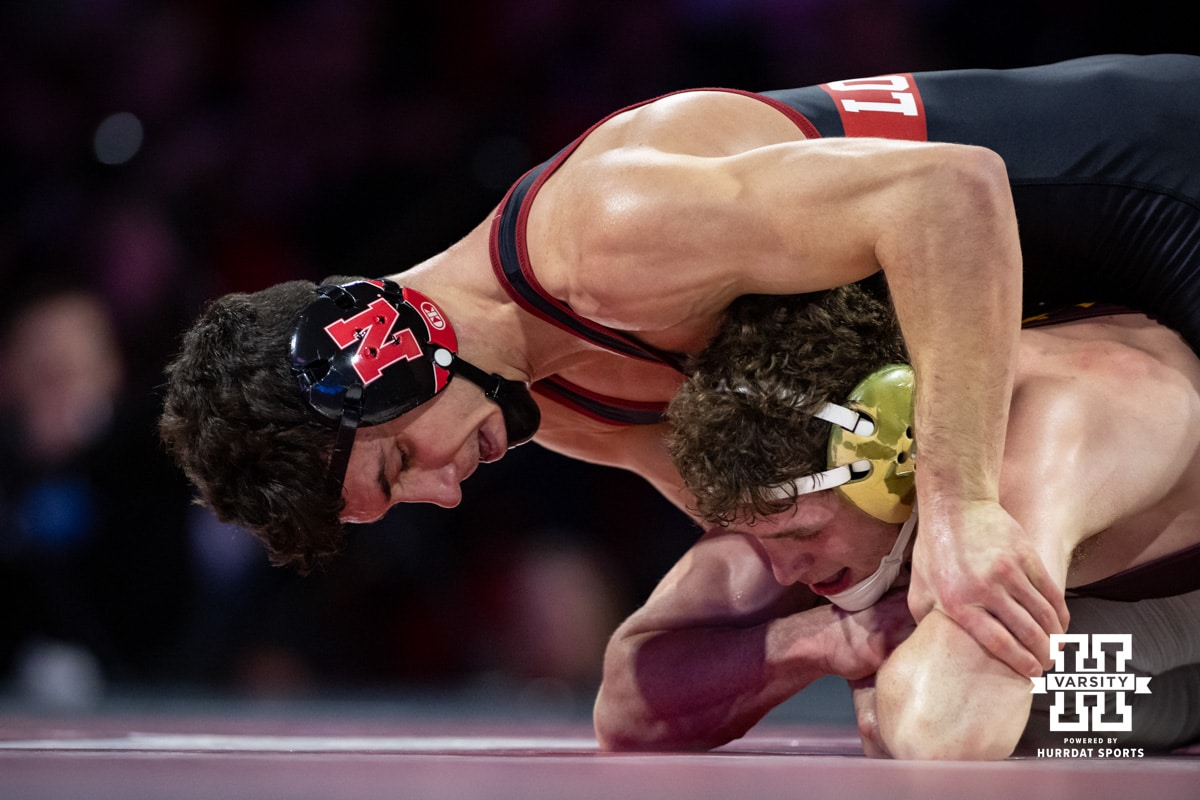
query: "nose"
790, 560
437, 486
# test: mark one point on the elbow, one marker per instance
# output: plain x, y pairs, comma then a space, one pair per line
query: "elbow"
623, 718
955, 224
914, 725
618, 716
615, 727
974, 175
629, 726
962, 193
980, 201
919, 720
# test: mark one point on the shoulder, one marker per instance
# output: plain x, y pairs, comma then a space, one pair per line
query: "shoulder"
626, 210
1076, 379
1091, 399
1130, 353
698, 122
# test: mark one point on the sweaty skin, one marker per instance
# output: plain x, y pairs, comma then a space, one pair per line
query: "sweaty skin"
708, 654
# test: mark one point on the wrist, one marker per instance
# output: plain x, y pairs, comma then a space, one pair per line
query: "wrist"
801, 647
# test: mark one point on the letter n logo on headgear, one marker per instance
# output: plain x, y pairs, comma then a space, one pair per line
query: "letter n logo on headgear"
379, 346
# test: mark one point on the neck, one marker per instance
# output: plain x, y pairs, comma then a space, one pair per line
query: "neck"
493, 331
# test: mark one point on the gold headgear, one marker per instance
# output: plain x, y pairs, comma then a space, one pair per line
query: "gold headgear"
888, 488
871, 454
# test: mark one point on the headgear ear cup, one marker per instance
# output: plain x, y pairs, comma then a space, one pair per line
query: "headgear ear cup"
888, 489
375, 335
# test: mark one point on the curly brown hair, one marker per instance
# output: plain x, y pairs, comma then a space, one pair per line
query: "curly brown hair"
238, 426
743, 423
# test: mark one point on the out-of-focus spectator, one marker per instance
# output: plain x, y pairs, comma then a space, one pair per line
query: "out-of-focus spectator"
91, 514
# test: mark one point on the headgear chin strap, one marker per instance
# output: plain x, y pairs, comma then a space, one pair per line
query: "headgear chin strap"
867, 592
366, 352
871, 454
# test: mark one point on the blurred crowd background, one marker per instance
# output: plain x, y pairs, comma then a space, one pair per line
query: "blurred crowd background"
156, 154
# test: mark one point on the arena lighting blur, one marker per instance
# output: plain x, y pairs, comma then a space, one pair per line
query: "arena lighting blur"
118, 138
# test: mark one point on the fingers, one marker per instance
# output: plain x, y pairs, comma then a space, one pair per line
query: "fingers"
997, 638
1039, 611
1032, 607
1011, 613
1011, 619
1053, 616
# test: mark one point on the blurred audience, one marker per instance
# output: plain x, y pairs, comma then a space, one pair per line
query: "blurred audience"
91, 516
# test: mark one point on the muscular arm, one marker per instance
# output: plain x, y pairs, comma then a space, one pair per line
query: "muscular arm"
719, 643
942, 695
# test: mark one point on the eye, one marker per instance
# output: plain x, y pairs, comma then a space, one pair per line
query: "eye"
795, 534
804, 535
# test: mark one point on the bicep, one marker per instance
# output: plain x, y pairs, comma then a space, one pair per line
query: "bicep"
786, 218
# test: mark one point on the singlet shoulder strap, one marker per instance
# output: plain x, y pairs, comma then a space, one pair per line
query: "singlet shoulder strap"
613, 410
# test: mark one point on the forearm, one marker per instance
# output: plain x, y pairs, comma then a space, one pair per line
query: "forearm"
957, 291
942, 696
698, 688
954, 270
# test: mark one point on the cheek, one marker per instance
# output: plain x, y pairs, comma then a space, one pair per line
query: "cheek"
845, 549
785, 553
852, 545
819, 552
870, 544
364, 499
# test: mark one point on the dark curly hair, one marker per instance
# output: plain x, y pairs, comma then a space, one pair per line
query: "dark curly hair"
743, 420
238, 426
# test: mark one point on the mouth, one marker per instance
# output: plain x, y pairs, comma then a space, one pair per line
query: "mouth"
489, 448
838, 583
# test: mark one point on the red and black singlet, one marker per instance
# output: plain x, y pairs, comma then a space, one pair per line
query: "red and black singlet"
1102, 156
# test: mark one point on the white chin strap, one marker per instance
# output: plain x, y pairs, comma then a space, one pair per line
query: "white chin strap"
850, 420
867, 592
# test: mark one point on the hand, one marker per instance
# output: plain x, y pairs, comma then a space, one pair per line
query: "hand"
981, 570
857, 643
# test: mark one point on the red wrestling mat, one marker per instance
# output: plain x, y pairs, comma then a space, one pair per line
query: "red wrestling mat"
260, 757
